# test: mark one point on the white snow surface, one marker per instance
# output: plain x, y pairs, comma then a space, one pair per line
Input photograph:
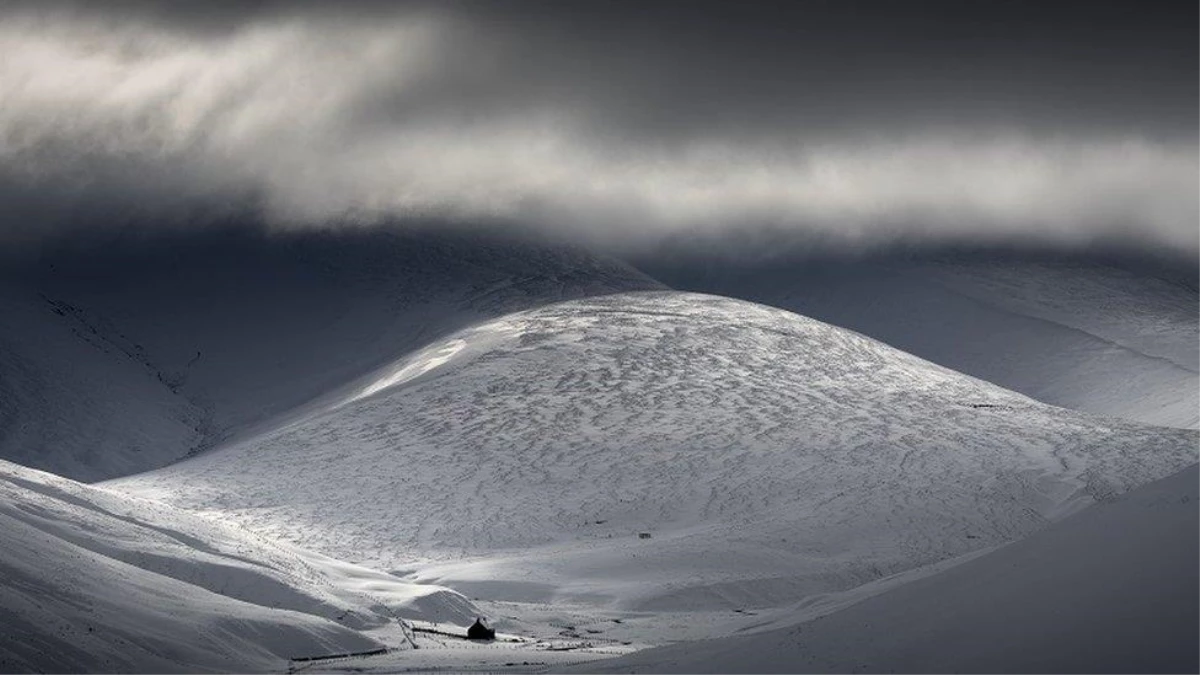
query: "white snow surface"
92, 580
599, 463
770, 457
1112, 589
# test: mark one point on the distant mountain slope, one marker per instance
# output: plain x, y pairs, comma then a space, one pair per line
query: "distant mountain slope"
124, 357
79, 402
1110, 590
91, 580
769, 457
1074, 333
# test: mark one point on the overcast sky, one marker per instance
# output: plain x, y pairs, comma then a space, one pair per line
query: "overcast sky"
619, 123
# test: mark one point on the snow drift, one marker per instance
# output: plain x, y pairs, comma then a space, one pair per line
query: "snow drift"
1110, 590
91, 580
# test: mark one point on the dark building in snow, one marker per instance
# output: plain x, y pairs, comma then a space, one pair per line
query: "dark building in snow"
479, 631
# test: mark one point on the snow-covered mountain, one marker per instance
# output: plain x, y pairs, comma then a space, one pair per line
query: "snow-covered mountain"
97, 581
768, 457
1110, 590
79, 400
117, 363
554, 434
1078, 332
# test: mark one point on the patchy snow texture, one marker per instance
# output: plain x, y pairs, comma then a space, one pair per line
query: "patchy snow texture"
1076, 334
769, 456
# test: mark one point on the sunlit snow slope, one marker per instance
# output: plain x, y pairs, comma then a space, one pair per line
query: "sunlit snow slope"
768, 455
122, 357
1076, 333
1110, 590
91, 580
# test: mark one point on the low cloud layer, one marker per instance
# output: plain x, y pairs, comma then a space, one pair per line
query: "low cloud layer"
618, 131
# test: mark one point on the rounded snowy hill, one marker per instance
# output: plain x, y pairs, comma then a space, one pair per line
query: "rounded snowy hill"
1111, 336
122, 356
660, 451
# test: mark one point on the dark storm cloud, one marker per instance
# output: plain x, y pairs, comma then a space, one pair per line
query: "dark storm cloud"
679, 66
619, 122
779, 67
